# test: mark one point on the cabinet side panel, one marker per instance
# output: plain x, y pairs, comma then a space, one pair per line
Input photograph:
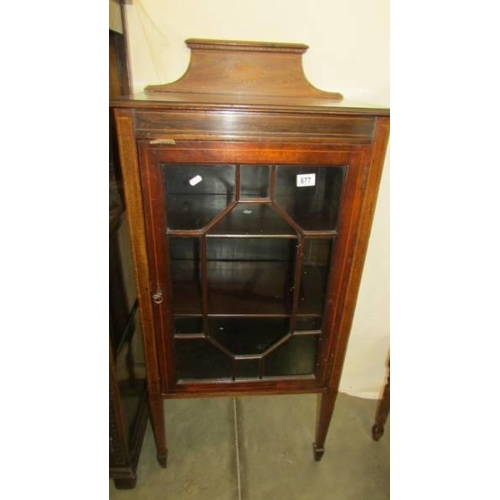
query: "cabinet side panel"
370, 193
135, 217
341, 264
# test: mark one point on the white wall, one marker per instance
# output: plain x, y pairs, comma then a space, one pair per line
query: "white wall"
349, 53
115, 16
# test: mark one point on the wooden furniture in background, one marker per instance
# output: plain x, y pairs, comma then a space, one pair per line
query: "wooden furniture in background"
119, 80
250, 198
128, 409
383, 408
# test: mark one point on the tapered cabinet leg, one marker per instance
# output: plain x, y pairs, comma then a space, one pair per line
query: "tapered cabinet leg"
383, 408
158, 424
326, 403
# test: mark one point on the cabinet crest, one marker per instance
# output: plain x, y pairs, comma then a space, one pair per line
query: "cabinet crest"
245, 68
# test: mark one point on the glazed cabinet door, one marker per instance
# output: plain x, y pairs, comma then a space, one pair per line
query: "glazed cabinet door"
247, 244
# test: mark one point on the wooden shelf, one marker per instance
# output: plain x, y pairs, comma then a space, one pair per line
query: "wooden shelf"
247, 289
252, 220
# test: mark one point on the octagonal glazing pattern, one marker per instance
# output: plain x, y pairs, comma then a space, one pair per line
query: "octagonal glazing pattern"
249, 251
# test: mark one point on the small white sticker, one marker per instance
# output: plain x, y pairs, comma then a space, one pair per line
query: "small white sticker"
195, 180
304, 180
247, 212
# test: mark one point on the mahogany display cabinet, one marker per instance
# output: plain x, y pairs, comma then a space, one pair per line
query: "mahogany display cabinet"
250, 196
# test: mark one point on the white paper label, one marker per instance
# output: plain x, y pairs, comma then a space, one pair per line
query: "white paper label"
195, 180
304, 180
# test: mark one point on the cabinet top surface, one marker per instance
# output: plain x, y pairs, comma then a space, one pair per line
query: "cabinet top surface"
238, 75
237, 102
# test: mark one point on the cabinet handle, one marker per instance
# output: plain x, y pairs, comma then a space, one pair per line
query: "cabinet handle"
158, 297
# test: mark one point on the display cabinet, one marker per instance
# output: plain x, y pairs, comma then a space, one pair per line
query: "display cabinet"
250, 196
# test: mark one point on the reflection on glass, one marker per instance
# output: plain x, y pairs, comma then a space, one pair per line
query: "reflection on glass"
186, 275
314, 205
196, 194
255, 181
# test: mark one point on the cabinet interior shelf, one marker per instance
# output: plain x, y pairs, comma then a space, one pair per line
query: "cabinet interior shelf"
243, 219
247, 288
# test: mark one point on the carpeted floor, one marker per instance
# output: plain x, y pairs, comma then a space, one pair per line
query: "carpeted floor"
260, 448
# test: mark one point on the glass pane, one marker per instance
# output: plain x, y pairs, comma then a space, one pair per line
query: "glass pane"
122, 291
251, 249
196, 194
247, 368
255, 181
253, 276
297, 356
314, 276
308, 323
188, 325
130, 374
197, 358
252, 219
248, 335
311, 200
185, 272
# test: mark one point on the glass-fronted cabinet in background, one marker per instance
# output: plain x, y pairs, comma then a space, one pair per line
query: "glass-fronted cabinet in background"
128, 410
